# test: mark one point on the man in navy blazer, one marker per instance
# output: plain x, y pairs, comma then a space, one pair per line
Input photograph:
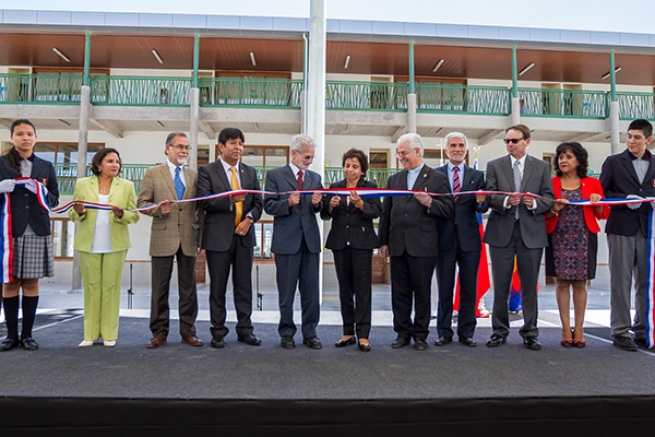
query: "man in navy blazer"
517, 228
408, 234
296, 240
630, 173
228, 235
459, 244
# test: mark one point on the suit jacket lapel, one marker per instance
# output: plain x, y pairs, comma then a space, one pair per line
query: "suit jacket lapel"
421, 179
291, 179
626, 160
168, 180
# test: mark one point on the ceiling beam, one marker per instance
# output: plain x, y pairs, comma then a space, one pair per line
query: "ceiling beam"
493, 134
108, 126
402, 130
588, 136
207, 130
6, 123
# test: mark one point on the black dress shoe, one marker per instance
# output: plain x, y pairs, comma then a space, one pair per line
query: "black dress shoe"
217, 342
313, 343
442, 341
29, 344
496, 340
420, 345
344, 343
8, 344
626, 344
364, 347
640, 342
287, 342
251, 339
468, 341
400, 342
532, 343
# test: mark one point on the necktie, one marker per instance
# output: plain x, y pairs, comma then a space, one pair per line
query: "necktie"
238, 205
300, 179
517, 184
457, 186
179, 186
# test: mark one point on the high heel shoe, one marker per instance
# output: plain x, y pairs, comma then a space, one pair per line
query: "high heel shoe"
566, 343
579, 344
344, 343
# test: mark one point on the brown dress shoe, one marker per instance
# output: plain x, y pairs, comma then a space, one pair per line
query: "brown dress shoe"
158, 340
192, 340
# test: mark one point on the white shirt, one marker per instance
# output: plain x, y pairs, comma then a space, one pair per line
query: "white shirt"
101, 237
172, 167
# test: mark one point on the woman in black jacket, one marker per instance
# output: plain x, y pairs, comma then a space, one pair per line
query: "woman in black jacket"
352, 240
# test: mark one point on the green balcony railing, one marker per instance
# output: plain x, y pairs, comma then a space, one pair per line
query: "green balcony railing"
560, 103
67, 175
140, 91
468, 99
366, 96
62, 89
636, 105
250, 92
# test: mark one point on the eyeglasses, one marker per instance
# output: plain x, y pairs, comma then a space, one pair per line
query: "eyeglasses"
182, 146
403, 154
512, 140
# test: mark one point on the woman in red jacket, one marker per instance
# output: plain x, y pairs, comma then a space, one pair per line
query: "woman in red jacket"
572, 230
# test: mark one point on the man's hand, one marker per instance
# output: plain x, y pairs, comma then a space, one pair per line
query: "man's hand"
243, 227
165, 207
237, 198
514, 199
383, 251
294, 199
424, 199
316, 198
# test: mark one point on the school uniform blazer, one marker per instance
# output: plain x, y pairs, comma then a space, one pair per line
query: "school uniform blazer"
405, 224
25, 208
467, 229
181, 226
121, 194
589, 186
220, 214
619, 179
352, 227
536, 180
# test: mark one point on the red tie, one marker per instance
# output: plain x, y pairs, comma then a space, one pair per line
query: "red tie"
300, 179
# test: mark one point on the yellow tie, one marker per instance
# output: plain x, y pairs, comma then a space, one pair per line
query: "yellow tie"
238, 205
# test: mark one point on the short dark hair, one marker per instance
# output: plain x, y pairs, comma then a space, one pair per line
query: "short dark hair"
521, 128
99, 156
18, 122
580, 154
359, 155
170, 139
230, 133
643, 125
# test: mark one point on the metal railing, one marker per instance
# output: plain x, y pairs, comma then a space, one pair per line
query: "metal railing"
63, 89
67, 175
140, 91
368, 96
250, 92
636, 105
560, 103
467, 99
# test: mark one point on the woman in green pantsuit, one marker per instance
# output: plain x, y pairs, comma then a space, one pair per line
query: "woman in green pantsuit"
102, 241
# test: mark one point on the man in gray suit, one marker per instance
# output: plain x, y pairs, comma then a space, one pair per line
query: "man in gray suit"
175, 234
229, 235
296, 240
516, 227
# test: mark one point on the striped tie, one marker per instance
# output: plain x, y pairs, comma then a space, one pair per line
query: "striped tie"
238, 206
517, 184
457, 186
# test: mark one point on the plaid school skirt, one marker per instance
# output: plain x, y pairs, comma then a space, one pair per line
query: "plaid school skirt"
33, 257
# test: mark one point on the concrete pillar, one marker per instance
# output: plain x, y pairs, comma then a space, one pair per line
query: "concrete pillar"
82, 148
411, 113
515, 116
614, 127
194, 116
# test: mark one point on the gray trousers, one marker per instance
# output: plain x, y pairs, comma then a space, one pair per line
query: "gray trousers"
627, 257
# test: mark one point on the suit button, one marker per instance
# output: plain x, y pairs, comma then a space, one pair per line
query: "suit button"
27, 207
347, 226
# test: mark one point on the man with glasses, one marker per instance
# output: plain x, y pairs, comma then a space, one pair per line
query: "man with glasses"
516, 228
408, 235
228, 235
296, 240
174, 235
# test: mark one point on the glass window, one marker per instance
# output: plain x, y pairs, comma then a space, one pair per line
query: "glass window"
263, 249
63, 237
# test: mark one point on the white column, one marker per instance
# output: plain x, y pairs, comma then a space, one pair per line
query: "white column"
194, 102
516, 111
614, 128
411, 113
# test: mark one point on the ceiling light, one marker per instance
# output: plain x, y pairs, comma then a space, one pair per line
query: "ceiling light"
616, 70
438, 66
157, 57
252, 59
526, 68
345, 64
61, 54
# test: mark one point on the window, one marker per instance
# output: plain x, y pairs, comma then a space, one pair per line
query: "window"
264, 234
62, 231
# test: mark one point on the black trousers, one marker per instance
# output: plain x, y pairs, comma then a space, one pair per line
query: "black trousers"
353, 268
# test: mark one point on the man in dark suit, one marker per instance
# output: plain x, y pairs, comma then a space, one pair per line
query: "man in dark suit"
228, 235
408, 233
630, 173
296, 240
174, 234
459, 244
516, 227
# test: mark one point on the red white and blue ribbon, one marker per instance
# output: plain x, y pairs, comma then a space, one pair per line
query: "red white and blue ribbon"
649, 316
6, 240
